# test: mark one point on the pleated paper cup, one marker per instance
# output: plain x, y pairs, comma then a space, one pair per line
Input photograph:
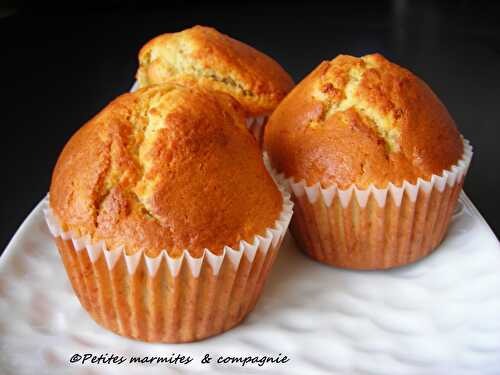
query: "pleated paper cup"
256, 126
166, 299
376, 228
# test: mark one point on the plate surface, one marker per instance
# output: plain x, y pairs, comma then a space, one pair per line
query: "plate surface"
438, 316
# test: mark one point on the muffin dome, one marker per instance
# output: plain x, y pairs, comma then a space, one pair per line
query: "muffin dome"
362, 121
167, 167
205, 56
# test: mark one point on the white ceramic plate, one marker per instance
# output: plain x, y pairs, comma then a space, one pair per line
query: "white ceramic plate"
438, 316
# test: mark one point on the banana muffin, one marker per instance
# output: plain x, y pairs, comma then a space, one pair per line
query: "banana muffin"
202, 55
167, 192
375, 160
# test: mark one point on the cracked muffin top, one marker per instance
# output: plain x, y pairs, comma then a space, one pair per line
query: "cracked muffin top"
362, 121
202, 55
167, 167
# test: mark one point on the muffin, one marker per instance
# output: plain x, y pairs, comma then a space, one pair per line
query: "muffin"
166, 192
374, 160
202, 55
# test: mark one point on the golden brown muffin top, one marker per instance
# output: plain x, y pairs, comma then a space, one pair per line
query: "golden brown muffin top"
362, 120
205, 56
166, 167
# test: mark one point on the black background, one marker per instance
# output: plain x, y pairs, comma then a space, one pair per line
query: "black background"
59, 67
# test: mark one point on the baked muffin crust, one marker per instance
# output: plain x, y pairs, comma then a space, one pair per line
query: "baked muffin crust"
205, 56
167, 167
362, 120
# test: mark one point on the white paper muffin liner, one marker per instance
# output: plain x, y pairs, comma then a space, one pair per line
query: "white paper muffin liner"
376, 228
165, 298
